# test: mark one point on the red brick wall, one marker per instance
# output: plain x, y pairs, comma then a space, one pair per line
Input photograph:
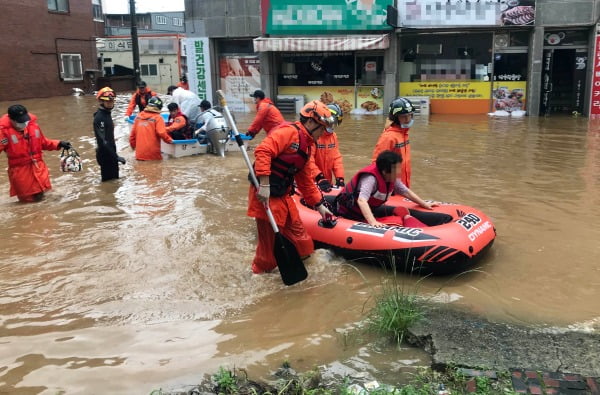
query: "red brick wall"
31, 36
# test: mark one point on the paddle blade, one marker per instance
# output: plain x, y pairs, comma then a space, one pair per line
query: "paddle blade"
291, 267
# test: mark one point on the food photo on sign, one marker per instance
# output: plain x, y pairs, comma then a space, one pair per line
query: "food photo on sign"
517, 12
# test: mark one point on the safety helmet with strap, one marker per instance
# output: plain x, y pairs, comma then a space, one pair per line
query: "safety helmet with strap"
155, 102
319, 112
400, 105
336, 113
106, 94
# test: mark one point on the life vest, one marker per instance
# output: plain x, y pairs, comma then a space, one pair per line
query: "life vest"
187, 131
285, 166
346, 201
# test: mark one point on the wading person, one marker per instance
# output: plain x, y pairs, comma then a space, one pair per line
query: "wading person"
104, 130
23, 141
280, 159
364, 197
267, 115
326, 160
147, 131
140, 98
395, 136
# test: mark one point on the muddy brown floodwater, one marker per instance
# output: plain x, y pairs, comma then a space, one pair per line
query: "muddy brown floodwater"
145, 282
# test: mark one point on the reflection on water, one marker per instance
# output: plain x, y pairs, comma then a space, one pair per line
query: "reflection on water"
147, 278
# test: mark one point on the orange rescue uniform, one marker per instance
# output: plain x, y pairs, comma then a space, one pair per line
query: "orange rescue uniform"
326, 157
139, 99
27, 171
282, 140
394, 138
267, 117
177, 123
147, 131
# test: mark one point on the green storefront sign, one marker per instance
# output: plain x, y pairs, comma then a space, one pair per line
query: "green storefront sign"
325, 16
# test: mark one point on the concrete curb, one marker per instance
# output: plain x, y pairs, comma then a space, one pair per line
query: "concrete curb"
541, 360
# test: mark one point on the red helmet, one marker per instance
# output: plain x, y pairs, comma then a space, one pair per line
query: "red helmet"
106, 94
318, 111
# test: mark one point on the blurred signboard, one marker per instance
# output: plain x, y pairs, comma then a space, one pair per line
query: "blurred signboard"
436, 13
323, 16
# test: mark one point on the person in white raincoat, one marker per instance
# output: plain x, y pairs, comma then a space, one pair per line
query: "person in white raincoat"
188, 102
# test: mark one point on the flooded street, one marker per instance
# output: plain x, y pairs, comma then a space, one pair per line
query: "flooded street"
145, 282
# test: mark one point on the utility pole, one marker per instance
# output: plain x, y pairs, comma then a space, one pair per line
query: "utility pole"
134, 42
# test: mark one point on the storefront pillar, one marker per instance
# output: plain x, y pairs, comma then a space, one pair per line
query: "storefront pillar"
592, 51
536, 65
391, 71
268, 74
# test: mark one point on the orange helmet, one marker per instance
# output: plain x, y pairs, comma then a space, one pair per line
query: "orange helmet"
106, 94
318, 111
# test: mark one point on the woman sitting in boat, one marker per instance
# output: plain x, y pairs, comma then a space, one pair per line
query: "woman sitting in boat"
364, 197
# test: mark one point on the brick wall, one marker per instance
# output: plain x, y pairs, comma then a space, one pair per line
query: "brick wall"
31, 37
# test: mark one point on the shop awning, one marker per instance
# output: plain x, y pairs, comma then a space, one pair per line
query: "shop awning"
323, 43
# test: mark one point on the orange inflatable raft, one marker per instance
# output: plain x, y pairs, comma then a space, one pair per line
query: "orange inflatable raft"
457, 236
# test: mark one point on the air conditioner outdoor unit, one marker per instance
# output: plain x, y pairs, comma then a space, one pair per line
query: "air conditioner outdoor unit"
501, 41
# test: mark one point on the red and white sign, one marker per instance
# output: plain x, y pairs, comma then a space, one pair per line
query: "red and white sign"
370, 66
595, 99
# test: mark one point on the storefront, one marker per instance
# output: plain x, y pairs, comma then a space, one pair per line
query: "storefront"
564, 71
313, 61
352, 78
468, 57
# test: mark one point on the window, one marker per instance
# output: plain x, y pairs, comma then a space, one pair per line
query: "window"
160, 19
177, 21
369, 69
149, 69
316, 69
432, 57
97, 10
58, 5
71, 67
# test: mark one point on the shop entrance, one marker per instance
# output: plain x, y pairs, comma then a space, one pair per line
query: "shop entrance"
563, 81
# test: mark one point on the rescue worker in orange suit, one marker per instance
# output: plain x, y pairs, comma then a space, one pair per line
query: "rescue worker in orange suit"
267, 115
183, 83
140, 98
23, 141
326, 159
395, 136
280, 159
363, 199
178, 125
104, 130
147, 131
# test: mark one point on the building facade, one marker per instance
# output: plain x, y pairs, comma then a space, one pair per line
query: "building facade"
159, 43
232, 64
497, 55
160, 58
465, 56
53, 55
